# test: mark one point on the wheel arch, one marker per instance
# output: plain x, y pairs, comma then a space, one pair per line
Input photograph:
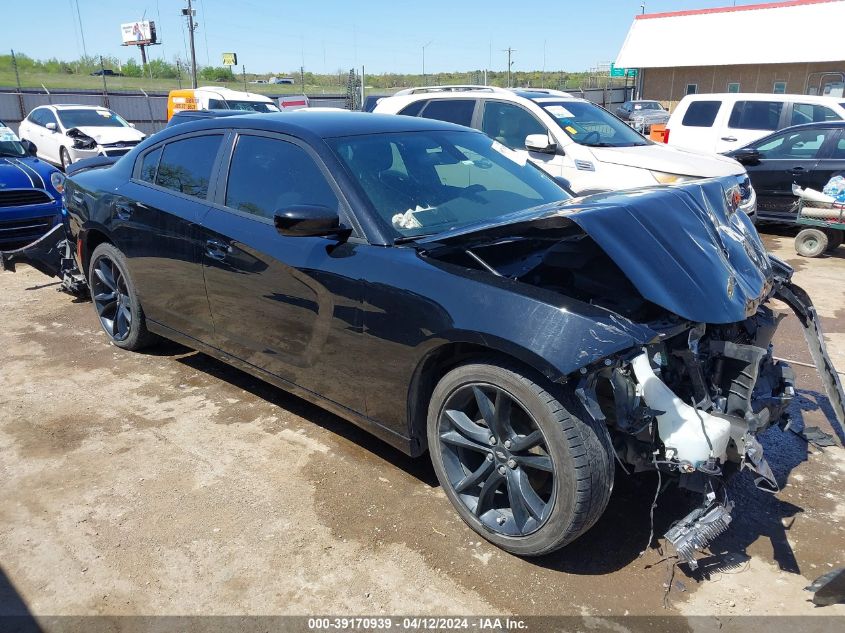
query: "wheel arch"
439, 360
91, 238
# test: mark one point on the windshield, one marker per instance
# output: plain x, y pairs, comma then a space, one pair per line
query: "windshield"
251, 106
95, 117
587, 124
647, 105
10, 145
421, 183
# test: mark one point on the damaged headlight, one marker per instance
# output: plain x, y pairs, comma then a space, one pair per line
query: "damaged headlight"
81, 140
665, 178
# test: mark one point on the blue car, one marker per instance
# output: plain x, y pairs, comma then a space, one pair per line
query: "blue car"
30, 192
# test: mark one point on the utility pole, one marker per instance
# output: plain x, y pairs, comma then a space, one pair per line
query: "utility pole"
509, 51
423, 59
189, 13
81, 30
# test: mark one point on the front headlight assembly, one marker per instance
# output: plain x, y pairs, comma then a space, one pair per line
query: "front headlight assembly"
665, 178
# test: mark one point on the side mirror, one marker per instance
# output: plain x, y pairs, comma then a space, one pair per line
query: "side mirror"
307, 220
747, 156
51, 126
563, 183
29, 147
131, 125
540, 143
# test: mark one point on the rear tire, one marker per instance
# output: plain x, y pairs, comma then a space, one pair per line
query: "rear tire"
115, 299
529, 497
811, 242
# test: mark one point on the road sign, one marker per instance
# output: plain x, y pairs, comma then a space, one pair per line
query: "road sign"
616, 72
230, 59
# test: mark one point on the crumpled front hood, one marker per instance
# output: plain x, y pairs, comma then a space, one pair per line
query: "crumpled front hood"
681, 247
670, 159
111, 134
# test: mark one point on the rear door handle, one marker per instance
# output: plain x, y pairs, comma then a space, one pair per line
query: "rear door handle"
217, 249
731, 139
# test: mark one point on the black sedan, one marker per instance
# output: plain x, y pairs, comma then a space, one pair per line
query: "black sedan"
806, 155
433, 287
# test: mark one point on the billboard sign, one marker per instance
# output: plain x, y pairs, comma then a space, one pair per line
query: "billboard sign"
230, 59
141, 32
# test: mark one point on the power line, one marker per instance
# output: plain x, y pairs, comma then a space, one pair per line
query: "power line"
81, 30
205, 32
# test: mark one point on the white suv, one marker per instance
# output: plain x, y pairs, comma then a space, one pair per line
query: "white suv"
727, 121
568, 137
64, 134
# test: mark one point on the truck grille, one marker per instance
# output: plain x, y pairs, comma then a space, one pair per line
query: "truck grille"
23, 197
17, 233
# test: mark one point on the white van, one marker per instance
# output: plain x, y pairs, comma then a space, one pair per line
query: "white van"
723, 122
568, 137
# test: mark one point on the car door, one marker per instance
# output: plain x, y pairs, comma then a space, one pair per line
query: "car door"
509, 124
785, 158
51, 140
155, 223
697, 126
831, 159
280, 303
748, 121
33, 130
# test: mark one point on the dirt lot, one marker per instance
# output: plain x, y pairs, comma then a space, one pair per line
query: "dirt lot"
169, 483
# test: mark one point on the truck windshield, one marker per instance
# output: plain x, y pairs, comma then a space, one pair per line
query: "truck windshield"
247, 106
587, 124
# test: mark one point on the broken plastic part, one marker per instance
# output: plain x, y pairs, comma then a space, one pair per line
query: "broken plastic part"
829, 588
698, 529
687, 433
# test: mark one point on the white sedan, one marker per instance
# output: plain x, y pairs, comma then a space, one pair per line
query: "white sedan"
64, 134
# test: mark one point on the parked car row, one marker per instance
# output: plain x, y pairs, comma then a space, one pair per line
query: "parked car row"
568, 137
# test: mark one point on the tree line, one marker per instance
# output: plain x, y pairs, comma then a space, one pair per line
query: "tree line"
178, 68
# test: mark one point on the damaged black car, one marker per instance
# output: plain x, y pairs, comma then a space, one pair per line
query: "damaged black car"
424, 282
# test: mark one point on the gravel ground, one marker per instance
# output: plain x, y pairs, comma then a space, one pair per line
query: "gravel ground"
169, 483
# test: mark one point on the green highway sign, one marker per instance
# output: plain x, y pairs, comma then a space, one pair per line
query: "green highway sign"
622, 72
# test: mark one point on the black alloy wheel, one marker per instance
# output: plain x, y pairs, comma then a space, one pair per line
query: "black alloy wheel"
519, 458
115, 299
496, 459
111, 298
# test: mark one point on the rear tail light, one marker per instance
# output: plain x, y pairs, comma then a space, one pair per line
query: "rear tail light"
666, 135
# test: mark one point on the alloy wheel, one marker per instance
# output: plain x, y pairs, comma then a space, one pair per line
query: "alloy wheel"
496, 459
111, 298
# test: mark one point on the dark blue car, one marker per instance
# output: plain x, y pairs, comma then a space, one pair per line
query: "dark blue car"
30, 192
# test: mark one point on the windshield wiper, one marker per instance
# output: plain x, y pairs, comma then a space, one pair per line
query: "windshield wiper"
411, 238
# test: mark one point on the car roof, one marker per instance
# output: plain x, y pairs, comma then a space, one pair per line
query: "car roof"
74, 106
763, 96
322, 124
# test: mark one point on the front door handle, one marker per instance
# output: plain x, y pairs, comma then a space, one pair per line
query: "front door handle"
217, 249
797, 170
730, 139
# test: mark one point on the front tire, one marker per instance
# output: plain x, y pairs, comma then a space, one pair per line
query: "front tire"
64, 157
524, 466
115, 299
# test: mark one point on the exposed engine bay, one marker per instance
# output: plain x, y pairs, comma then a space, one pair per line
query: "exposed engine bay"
691, 402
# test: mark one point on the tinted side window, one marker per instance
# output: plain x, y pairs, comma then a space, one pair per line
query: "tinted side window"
217, 104
839, 150
812, 113
149, 165
453, 111
414, 108
794, 145
35, 117
185, 166
48, 117
509, 124
701, 113
268, 174
756, 115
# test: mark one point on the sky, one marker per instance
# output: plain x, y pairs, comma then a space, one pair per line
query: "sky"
325, 36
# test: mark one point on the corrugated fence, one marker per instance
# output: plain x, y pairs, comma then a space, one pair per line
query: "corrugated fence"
148, 112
